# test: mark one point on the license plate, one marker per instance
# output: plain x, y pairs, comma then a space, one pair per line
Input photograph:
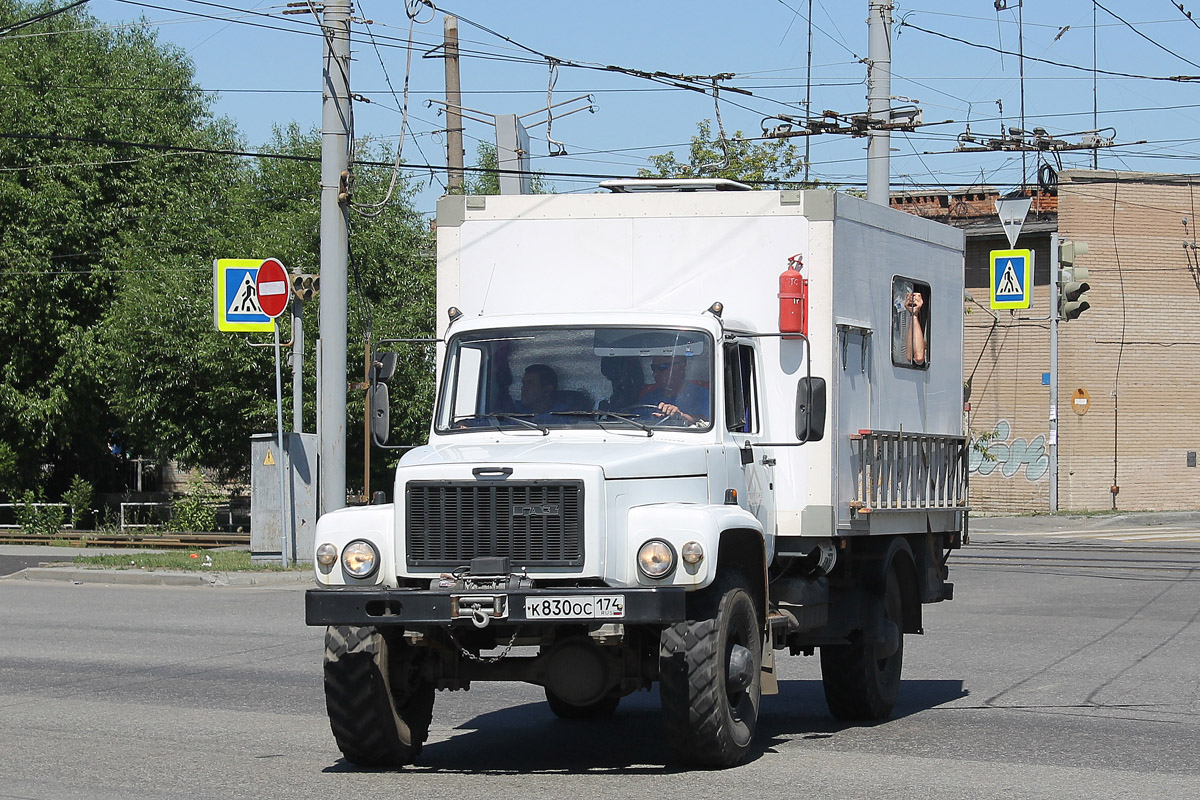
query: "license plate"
603, 606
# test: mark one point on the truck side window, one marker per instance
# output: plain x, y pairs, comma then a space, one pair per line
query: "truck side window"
741, 395
910, 323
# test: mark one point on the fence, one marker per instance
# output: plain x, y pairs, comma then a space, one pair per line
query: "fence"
143, 519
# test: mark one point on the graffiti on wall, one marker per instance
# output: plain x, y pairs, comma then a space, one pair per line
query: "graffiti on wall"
1011, 457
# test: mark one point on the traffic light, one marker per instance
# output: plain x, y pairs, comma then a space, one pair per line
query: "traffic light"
1072, 280
306, 287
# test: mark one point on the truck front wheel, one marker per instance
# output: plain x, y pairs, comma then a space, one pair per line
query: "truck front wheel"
862, 680
710, 681
379, 705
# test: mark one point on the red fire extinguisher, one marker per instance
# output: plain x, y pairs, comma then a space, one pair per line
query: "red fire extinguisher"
793, 298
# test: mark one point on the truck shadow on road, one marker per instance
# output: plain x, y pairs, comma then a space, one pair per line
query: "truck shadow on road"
529, 739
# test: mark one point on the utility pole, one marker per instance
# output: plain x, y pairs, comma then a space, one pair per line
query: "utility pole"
335, 219
1052, 444
879, 100
454, 128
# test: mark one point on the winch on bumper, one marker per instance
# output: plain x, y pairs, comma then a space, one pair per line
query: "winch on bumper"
481, 607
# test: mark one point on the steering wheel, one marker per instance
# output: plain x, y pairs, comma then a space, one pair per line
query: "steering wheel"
654, 408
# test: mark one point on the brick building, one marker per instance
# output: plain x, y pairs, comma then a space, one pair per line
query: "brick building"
1134, 353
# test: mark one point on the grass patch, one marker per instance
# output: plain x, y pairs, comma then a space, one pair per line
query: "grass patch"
185, 560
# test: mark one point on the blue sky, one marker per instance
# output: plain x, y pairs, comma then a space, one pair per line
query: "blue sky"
265, 68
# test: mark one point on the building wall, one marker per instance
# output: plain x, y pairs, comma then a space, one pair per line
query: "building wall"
1136, 351
1005, 354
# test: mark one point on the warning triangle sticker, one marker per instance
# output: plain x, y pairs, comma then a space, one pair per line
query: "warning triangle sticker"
246, 300
269, 461
1010, 285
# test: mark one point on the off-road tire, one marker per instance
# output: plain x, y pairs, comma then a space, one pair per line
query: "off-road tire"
706, 726
379, 708
859, 686
604, 707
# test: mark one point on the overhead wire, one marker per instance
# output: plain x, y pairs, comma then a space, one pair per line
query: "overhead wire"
1133, 28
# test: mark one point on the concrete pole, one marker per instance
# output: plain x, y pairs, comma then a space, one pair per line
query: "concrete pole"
335, 213
1052, 445
879, 103
454, 129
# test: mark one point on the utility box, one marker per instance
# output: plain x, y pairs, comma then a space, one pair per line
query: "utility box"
299, 459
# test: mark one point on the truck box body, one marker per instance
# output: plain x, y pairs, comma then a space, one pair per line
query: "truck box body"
680, 252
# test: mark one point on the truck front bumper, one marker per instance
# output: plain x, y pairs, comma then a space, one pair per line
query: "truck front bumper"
433, 608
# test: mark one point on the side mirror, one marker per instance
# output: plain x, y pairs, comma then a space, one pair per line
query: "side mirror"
383, 367
810, 409
380, 413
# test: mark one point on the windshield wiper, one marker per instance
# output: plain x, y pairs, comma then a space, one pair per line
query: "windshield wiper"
603, 415
495, 416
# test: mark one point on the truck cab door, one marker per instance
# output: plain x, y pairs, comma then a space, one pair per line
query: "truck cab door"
752, 471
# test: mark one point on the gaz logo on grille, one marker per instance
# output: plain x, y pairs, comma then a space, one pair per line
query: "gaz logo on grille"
537, 510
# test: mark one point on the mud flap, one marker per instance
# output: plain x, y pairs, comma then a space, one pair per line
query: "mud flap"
770, 680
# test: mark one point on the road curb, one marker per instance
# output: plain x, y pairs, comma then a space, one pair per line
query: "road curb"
136, 577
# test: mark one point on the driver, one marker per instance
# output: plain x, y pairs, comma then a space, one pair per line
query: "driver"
674, 395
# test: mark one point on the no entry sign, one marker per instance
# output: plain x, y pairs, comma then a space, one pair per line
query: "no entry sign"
272, 287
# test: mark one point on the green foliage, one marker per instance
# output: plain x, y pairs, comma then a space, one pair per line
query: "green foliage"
79, 497
106, 251
37, 518
196, 512
487, 181
80, 213
980, 442
768, 164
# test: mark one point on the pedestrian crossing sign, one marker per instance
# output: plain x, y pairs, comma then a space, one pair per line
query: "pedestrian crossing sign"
235, 297
1012, 278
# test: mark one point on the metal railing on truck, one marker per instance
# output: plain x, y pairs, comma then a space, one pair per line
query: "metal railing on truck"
899, 471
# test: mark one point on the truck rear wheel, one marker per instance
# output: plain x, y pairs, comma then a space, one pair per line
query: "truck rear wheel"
862, 680
604, 707
379, 706
710, 681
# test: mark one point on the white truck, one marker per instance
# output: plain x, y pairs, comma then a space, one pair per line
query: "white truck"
655, 458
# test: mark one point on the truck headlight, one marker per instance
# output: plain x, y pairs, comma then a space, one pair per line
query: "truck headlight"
360, 559
692, 553
656, 558
326, 555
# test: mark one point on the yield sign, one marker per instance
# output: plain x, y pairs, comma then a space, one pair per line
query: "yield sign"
1012, 211
273, 289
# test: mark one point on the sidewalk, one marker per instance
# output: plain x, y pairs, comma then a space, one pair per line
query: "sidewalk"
1133, 525
25, 562
31, 563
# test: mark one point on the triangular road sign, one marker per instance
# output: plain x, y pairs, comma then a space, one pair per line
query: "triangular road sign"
245, 301
1010, 284
1012, 212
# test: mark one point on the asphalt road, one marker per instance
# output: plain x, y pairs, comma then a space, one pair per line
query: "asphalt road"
1061, 671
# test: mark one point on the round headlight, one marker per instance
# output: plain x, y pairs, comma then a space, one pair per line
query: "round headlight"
692, 553
326, 555
656, 559
360, 559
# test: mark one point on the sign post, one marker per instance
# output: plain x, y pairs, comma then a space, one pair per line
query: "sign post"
273, 291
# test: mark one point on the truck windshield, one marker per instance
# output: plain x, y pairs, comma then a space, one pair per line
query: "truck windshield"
640, 379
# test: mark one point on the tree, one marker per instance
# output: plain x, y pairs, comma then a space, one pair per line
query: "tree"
769, 164
78, 202
196, 395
